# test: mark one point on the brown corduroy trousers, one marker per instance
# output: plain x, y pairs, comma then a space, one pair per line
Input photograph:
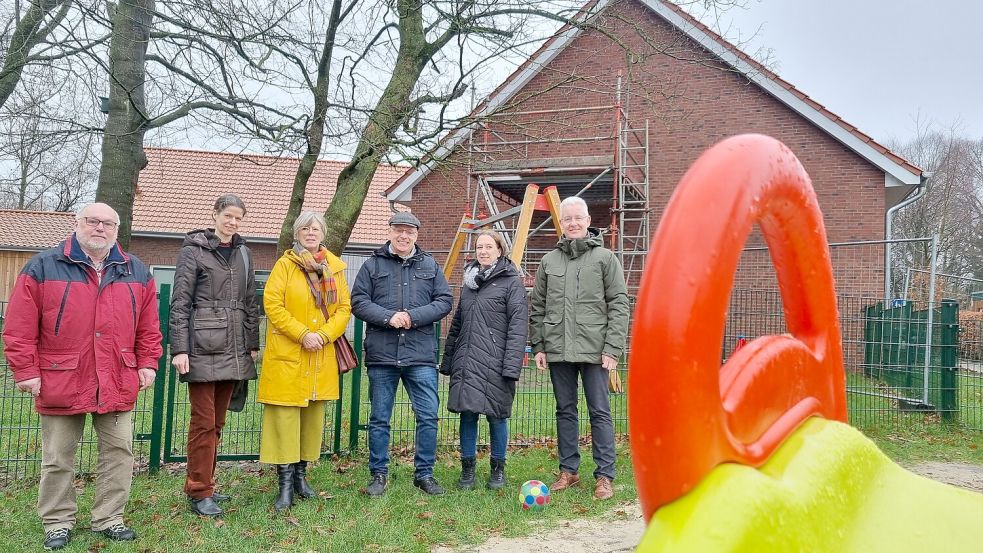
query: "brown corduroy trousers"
209, 404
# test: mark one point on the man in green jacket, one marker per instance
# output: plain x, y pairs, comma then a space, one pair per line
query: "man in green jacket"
578, 325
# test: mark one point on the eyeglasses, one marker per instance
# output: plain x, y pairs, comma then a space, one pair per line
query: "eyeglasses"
578, 218
94, 222
407, 231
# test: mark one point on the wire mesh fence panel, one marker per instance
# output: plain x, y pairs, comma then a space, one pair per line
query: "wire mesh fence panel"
970, 370
20, 433
242, 431
902, 363
907, 362
533, 419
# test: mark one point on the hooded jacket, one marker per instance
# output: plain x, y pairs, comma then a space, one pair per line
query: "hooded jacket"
291, 376
579, 307
214, 314
84, 334
485, 346
386, 284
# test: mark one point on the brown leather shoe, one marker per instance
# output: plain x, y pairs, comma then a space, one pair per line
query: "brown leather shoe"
566, 480
603, 489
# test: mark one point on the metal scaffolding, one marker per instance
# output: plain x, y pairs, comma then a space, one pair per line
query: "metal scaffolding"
564, 147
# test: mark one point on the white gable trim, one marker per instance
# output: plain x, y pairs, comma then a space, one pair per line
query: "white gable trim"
850, 140
895, 174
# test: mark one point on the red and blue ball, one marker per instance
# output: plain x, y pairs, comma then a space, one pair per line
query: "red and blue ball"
534, 496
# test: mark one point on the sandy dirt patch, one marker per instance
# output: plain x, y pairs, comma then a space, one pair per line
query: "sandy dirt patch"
622, 528
957, 474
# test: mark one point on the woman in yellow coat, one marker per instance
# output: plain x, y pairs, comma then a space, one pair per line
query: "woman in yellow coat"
308, 307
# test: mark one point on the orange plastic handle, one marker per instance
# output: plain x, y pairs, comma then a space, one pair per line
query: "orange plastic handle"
687, 414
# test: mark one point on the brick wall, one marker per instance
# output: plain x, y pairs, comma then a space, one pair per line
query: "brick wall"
164, 251
691, 102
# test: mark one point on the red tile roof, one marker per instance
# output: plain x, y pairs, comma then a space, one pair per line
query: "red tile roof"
177, 189
33, 230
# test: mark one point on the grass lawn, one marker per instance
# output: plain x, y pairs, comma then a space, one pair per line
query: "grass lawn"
342, 519
916, 441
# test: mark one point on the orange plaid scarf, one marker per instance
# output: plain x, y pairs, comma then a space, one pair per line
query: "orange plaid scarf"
319, 277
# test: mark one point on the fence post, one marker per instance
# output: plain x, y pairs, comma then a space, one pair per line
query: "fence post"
336, 446
949, 342
355, 422
169, 421
157, 416
872, 338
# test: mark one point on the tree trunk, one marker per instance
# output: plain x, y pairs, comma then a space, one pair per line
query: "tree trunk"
22, 186
315, 133
122, 147
390, 112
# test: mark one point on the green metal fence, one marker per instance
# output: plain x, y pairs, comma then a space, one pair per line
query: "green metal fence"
914, 356
162, 416
884, 355
875, 395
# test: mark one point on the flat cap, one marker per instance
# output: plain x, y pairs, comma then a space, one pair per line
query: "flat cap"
404, 218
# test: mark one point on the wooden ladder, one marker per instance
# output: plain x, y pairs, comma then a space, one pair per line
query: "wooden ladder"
532, 201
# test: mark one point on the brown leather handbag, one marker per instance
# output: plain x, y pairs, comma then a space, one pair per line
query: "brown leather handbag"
345, 355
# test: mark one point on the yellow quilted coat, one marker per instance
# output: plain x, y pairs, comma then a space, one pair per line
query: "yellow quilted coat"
291, 376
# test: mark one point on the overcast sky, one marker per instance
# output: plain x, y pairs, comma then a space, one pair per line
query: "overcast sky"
879, 64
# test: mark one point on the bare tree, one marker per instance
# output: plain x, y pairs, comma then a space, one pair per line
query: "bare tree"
46, 165
25, 28
952, 207
374, 81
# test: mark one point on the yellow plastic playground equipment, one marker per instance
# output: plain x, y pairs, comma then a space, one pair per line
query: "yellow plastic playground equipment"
757, 455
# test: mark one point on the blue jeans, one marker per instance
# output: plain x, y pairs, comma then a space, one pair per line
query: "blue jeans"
421, 385
498, 428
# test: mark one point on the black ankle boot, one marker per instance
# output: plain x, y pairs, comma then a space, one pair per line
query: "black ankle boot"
301, 487
467, 473
285, 497
497, 479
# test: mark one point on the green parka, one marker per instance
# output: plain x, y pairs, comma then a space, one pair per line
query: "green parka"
579, 302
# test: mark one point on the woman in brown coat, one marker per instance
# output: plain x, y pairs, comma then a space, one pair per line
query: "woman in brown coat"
214, 336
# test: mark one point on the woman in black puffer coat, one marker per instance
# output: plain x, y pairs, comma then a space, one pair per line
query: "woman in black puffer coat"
483, 353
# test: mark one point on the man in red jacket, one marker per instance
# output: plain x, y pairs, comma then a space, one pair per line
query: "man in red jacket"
82, 336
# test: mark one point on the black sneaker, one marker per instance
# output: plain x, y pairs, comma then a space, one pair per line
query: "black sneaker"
118, 532
377, 486
429, 485
205, 506
57, 538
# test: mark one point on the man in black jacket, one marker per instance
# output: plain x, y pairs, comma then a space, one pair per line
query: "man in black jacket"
400, 292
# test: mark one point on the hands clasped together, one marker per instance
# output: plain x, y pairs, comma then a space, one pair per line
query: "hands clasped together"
401, 320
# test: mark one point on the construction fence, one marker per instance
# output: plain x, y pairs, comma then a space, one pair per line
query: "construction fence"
904, 359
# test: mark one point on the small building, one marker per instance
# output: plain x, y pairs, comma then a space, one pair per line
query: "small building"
618, 109
24, 233
176, 193
178, 188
